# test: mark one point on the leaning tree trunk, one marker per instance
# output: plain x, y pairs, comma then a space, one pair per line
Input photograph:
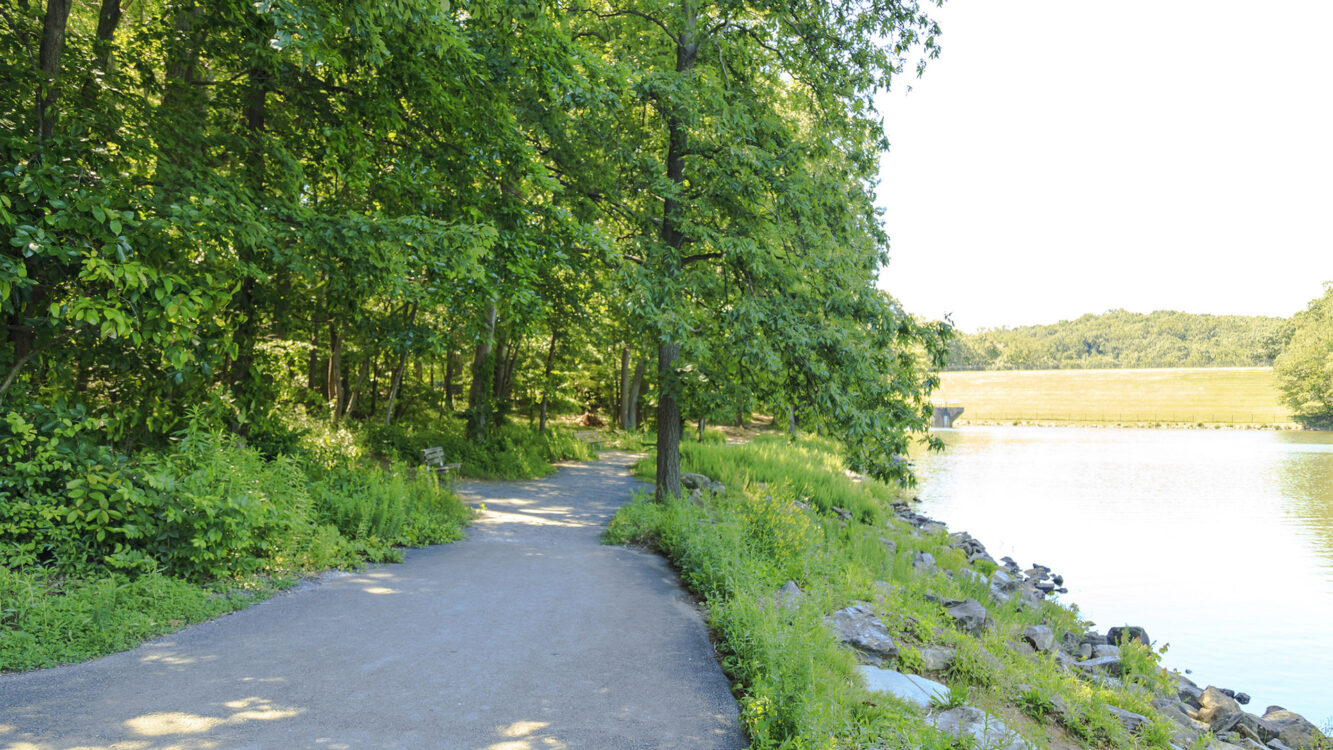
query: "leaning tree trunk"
360, 384
397, 381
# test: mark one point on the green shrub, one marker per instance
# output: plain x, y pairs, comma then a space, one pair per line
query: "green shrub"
63, 496
47, 621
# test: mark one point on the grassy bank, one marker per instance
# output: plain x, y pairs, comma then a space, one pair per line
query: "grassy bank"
1218, 396
797, 687
100, 551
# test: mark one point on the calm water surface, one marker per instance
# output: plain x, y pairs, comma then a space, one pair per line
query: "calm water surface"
1219, 543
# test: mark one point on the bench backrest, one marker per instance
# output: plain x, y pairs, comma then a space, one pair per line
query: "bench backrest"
433, 455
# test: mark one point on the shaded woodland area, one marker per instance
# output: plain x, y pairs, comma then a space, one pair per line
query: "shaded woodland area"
231, 213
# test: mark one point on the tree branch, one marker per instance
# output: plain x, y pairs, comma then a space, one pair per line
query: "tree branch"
615, 14
700, 256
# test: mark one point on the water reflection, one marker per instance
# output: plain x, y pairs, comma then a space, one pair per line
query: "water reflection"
1219, 542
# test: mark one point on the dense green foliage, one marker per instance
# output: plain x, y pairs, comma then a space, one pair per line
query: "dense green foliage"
1121, 339
385, 211
1305, 367
797, 687
255, 256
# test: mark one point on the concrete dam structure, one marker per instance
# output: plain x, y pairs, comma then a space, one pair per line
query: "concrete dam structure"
944, 416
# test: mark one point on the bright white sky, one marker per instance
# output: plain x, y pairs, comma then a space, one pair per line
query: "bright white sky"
1064, 157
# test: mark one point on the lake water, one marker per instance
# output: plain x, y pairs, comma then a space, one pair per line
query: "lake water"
1219, 543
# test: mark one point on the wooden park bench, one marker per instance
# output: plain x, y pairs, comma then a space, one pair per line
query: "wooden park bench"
434, 458
591, 437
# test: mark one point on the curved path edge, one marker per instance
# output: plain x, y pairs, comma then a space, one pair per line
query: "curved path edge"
528, 635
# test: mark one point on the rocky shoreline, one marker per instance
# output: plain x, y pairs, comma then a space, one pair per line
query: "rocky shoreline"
1204, 716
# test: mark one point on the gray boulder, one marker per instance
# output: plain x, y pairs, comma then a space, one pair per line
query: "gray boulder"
972, 576
1108, 664
860, 629
691, 481
1248, 726
933, 527
907, 687
969, 616
1292, 728
1114, 635
1214, 705
1131, 721
1100, 651
1041, 637
788, 596
1004, 581
889, 545
1175, 711
923, 561
936, 658
986, 730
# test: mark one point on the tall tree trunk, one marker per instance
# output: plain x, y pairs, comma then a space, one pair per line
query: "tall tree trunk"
397, 381
450, 372
48, 64
498, 358
108, 19
624, 387
668, 408
635, 386
483, 374
335, 376
255, 113
506, 361
546, 378
668, 424
312, 366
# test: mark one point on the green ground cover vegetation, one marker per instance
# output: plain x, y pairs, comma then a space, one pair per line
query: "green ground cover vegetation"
797, 687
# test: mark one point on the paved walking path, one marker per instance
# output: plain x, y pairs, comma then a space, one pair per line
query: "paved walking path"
529, 635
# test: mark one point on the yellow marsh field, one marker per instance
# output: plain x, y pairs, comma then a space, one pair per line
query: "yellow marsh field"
1224, 395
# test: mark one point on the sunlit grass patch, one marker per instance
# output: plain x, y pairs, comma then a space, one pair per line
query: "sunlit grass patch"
1212, 396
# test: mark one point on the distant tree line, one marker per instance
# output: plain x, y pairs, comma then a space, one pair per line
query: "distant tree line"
1122, 339
1305, 366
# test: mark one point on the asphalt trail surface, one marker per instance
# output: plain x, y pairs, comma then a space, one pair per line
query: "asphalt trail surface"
529, 635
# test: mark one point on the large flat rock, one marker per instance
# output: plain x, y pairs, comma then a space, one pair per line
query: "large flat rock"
909, 687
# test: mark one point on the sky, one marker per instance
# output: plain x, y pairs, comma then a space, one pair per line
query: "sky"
1064, 157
